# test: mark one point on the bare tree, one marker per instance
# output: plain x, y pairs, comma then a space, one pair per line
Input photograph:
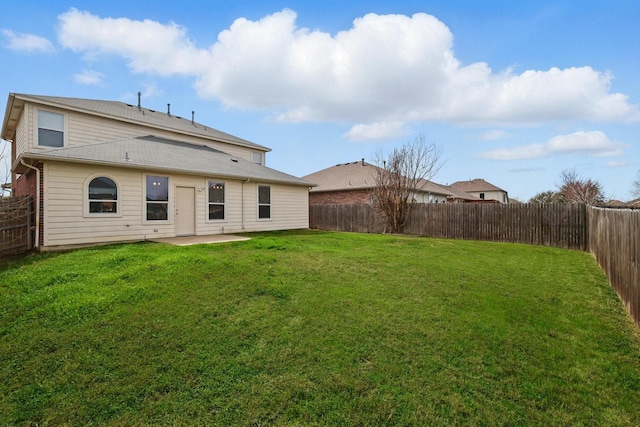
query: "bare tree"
574, 189
399, 174
635, 190
5, 167
546, 197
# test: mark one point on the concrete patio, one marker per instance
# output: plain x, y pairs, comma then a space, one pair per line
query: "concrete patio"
198, 240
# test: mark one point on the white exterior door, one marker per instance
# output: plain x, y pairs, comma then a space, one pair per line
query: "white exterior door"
185, 211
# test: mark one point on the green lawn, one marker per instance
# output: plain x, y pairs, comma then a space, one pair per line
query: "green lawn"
315, 328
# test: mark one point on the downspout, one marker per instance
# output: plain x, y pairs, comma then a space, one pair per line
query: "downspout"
37, 201
242, 203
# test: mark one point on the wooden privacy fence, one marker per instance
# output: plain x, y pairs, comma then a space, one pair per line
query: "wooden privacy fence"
614, 240
560, 225
16, 218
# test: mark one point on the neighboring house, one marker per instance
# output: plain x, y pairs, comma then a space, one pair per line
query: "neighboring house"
458, 196
106, 171
354, 183
482, 190
614, 203
635, 203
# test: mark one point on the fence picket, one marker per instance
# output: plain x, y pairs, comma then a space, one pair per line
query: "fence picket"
15, 224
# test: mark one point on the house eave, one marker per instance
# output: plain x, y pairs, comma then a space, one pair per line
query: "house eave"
50, 103
12, 115
334, 190
39, 157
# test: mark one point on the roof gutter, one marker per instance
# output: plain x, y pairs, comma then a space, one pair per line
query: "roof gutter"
37, 201
130, 165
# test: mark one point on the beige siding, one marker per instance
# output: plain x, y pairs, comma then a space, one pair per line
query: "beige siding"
67, 223
491, 195
429, 198
83, 129
22, 135
289, 208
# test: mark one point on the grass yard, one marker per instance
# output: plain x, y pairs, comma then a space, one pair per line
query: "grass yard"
315, 328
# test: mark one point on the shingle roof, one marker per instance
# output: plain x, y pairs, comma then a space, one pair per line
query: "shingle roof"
152, 153
458, 194
432, 187
358, 176
477, 184
346, 176
130, 113
634, 202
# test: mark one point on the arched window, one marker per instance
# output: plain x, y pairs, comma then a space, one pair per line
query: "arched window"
103, 195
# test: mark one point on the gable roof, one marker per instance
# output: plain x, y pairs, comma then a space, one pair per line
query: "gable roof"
345, 176
165, 155
118, 111
359, 176
475, 185
460, 195
634, 202
431, 187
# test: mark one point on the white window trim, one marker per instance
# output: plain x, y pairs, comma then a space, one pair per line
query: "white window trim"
261, 154
37, 128
169, 219
224, 205
85, 197
258, 204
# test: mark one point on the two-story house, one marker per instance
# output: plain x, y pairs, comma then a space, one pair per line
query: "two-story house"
354, 182
107, 171
482, 189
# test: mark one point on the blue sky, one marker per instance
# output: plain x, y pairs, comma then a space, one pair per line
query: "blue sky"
514, 92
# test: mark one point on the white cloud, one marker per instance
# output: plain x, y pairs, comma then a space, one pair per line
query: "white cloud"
492, 135
376, 131
148, 46
617, 163
89, 77
384, 69
596, 143
27, 42
151, 90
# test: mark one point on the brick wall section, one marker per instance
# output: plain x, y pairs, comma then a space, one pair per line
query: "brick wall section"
339, 197
25, 184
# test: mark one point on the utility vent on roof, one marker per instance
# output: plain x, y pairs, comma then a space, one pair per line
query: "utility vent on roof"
234, 160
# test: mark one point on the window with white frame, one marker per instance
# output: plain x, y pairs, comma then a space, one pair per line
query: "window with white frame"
50, 129
216, 200
103, 195
264, 202
157, 200
256, 157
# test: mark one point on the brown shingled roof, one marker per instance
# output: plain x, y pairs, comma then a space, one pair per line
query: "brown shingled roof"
358, 176
477, 184
346, 176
